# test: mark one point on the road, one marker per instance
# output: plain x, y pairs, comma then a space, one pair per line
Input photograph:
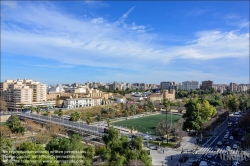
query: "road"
219, 156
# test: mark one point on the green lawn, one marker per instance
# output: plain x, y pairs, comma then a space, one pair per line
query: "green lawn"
147, 123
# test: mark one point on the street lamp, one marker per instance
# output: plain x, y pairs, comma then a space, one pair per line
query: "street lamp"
201, 138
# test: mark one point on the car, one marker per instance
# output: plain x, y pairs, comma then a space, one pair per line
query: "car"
209, 156
236, 163
215, 148
226, 136
231, 137
147, 137
203, 163
214, 164
228, 148
158, 139
26, 111
235, 146
227, 143
243, 139
236, 113
227, 132
153, 147
195, 163
219, 143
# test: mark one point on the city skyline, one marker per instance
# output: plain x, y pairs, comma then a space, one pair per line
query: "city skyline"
145, 42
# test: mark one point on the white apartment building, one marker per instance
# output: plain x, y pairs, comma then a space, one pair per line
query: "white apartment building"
190, 85
77, 103
17, 92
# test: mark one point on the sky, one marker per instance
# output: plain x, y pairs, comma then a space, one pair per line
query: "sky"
137, 42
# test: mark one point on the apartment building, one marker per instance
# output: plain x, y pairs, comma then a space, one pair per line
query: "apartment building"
206, 85
220, 87
232, 87
23, 91
169, 86
190, 85
77, 103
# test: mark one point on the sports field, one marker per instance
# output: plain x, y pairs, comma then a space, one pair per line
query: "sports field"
147, 123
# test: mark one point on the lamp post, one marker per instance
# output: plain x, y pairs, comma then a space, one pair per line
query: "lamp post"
147, 139
201, 138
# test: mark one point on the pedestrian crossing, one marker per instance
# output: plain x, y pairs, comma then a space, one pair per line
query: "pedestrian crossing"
209, 150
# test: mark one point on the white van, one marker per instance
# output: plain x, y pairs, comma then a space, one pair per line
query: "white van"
203, 163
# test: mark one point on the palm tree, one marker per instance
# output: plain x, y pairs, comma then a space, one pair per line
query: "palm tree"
108, 122
32, 109
131, 130
38, 110
22, 106
88, 120
60, 114
166, 103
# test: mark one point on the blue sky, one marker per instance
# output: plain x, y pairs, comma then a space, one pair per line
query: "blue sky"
80, 41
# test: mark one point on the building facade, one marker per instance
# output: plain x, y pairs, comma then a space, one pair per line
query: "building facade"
77, 103
206, 85
169, 86
23, 93
190, 85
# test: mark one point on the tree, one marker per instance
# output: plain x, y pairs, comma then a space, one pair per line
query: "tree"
108, 122
163, 128
35, 153
231, 102
38, 110
22, 106
166, 103
60, 113
244, 102
32, 109
192, 116
3, 106
15, 125
88, 120
207, 110
6, 146
72, 145
119, 151
131, 129
99, 117
75, 116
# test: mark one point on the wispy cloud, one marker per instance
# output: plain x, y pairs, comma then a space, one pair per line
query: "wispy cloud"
53, 66
122, 19
197, 12
34, 29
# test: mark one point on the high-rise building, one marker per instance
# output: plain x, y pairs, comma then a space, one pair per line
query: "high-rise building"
232, 87
26, 92
169, 86
190, 85
206, 85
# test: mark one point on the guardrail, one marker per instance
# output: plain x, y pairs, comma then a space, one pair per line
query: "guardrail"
71, 126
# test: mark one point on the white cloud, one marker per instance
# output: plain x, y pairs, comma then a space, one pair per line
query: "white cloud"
37, 30
97, 20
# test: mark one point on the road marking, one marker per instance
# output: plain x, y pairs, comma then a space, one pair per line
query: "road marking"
214, 140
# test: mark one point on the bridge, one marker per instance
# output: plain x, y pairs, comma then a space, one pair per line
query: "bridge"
76, 127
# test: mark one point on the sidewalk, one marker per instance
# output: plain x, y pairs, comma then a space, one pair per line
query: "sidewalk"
164, 159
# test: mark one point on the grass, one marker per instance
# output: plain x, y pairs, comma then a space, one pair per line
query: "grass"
164, 144
147, 123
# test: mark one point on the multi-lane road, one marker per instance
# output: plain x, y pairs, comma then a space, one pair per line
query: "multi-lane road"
214, 153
